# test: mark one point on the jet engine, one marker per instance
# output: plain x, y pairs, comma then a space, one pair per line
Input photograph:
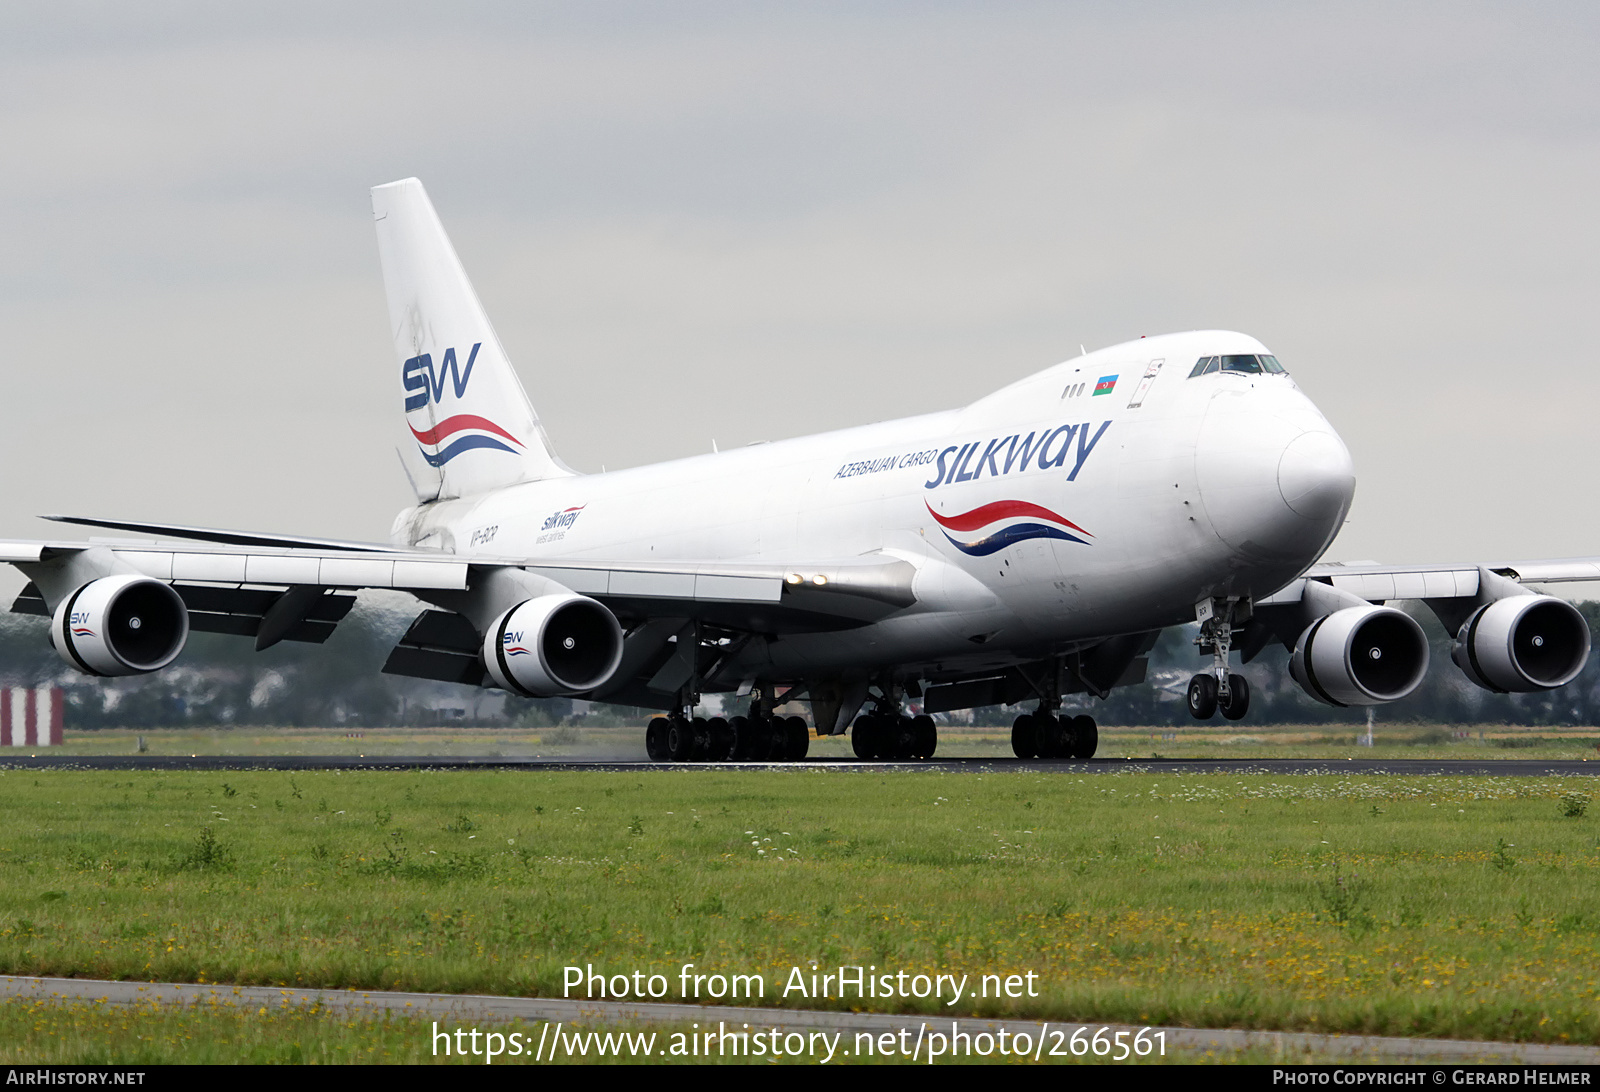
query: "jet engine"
553, 645
120, 625
1523, 643
1360, 656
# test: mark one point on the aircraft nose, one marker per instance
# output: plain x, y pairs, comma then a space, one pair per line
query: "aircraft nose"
1275, 481
1315, 476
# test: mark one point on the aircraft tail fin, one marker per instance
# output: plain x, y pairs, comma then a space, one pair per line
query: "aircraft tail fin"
472, 428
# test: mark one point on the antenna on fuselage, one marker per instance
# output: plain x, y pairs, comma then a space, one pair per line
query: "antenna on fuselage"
1081, 350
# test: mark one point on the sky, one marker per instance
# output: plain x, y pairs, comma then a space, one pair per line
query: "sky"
728, 222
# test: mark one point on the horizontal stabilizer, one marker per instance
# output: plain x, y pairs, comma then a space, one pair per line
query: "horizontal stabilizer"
226, 538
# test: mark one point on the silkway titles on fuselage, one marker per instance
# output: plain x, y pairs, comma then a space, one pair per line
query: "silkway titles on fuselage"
1040, 449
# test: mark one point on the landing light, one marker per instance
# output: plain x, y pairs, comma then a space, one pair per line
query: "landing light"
794, 578
819, 580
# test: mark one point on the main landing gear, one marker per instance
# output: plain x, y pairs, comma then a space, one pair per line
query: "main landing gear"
894, 737
727, 739
1046, 735
1218, 688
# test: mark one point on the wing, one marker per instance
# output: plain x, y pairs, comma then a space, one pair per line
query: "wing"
258, 586
1349, 649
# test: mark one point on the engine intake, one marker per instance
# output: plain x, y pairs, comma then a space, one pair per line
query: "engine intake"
1360, 656
1523, 643
120, 625
553, 645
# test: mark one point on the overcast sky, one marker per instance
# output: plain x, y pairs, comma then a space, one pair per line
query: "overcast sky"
747, 221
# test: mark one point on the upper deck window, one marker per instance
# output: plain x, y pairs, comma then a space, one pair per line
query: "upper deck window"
1248, 364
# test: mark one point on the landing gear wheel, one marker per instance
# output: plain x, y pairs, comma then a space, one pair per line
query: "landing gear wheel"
742, 730
864, 738
1202, 697
1055, 736
1238, 703
1024, 740
777, 738
797, 737
655, 739
1086, 737
680, 739
701, 733
719, 744
902, 739
926, 734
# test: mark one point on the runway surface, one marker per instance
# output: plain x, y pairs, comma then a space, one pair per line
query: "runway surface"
1508, 767
459, 1008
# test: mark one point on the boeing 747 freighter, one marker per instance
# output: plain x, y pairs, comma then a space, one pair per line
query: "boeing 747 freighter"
1026, 547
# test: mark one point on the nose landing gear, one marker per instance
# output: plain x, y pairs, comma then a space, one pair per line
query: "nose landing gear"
1218, 688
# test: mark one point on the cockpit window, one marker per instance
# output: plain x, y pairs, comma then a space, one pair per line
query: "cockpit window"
1248, 364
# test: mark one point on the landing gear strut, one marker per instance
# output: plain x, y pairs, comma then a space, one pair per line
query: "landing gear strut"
1218, 688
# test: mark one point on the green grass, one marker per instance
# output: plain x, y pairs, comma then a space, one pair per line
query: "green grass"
1432, 906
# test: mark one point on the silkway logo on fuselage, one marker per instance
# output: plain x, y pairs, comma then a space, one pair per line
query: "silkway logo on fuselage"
556, 524
418, 374
1041, 449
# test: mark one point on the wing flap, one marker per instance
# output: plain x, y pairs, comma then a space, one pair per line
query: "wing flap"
1545, 571
286, 567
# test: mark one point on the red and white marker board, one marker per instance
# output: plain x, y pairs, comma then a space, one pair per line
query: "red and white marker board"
30, 717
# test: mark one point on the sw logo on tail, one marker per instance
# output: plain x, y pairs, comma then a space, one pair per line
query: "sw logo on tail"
417, 374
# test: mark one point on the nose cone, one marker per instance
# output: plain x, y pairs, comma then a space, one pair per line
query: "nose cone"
1316, 477
1274, 478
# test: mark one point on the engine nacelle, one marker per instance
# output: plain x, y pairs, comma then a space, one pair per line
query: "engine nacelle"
1360, 656
1523, 643
553, 645
120, 625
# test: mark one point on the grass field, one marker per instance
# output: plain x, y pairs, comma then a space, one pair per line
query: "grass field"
1432, 906
1208, 741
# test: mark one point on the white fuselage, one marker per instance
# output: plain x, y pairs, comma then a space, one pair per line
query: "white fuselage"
1040, 518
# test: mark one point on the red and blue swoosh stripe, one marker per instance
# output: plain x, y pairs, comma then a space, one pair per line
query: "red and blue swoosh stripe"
1037, 522
462, 422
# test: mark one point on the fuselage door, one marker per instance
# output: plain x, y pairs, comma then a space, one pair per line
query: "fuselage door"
1143, 388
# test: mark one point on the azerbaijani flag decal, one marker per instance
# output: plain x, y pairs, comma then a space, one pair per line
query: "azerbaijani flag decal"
1004, 523
1104, 385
